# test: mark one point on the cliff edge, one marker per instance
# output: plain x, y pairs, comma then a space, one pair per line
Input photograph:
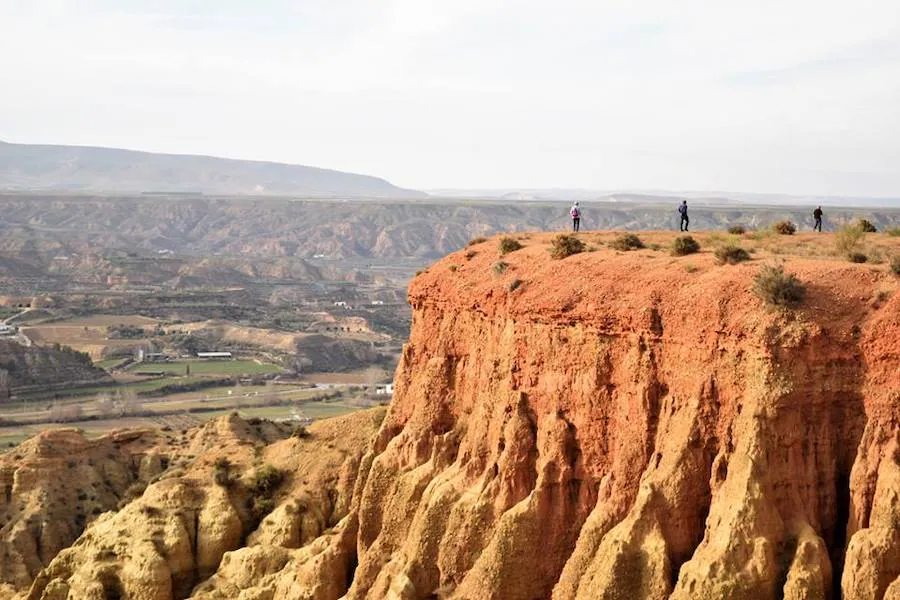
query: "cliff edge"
619, 425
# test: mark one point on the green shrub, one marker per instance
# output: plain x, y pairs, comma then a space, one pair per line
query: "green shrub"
453, 268
784, 228
857, 257
775, 287
731, 255
300, 432
222, 474
500, 267
737, 230
514, 285
866, 225
895, 264
265, 480
848, 238
476, 240
508, 245
565, 245
260, 507
684, 245
626, 242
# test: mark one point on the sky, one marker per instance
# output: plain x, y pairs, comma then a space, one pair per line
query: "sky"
798, 97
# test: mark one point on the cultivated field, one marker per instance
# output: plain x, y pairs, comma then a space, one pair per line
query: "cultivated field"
210, 367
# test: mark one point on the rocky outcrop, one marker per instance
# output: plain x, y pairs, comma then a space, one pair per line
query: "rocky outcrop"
619, 427
238, 483
58, 483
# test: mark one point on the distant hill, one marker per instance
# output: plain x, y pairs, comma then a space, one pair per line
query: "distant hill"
26, 167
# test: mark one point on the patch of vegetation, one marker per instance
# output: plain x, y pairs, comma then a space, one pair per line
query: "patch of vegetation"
684, 245
731, 255
690, 268
476, 240
508, 244
262, 490
775, 287
223, 474
626, 242
300, 432
784, 228
737, 230
470, 254
454, 268
848, 238
565, 245
500, 267
514, 285
857, 257
893, 231
866, 225
895, 265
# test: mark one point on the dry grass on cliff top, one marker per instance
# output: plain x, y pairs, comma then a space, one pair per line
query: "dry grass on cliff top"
584, 284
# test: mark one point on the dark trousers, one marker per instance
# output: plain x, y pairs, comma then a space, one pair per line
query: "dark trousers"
818, 225
683, 226
576, 223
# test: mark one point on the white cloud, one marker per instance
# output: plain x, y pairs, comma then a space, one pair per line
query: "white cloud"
765, 96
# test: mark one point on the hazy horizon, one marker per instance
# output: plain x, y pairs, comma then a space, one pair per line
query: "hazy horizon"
795, 99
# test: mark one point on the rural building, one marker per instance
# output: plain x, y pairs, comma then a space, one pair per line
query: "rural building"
7, 329
214, 355
385, 390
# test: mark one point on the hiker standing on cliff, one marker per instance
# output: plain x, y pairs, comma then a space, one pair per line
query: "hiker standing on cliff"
575, 213
685, 221
817, 215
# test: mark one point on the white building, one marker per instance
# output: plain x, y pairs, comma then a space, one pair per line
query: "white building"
214, 355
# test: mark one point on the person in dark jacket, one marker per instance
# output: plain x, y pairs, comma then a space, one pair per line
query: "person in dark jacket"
685, 221
817, 215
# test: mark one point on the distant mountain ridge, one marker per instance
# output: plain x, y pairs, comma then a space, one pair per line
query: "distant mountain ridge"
32, 167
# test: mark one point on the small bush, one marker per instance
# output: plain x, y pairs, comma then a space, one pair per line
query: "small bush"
731, 255
565, 245
454, 268
500, 267
737, 230
893, 231
857, 257
508, 245
682, 246
895, 265
784, 228
514, 285
778, 288
300, 432
470, 254
476, 240
866, 225
626, 242
260, 507
265, 480
848, 238
222, 474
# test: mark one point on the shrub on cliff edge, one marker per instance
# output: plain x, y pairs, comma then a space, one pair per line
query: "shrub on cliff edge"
848, 238
626, 242
508, 245
784, 228
684, 245
737, 230
778, 288
867, 226
565, 245
731, 255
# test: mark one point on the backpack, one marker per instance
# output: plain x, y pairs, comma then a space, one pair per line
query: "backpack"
682, 208
575, 212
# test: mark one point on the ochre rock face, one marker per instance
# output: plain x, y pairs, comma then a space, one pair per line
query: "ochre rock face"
619, 427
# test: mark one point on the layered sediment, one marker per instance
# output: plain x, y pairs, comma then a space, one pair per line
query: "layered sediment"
617, 426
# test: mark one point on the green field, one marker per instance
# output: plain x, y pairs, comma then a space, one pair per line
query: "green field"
109, 363
210, 367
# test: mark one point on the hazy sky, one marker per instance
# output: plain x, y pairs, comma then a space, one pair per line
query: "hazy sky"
798, 96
